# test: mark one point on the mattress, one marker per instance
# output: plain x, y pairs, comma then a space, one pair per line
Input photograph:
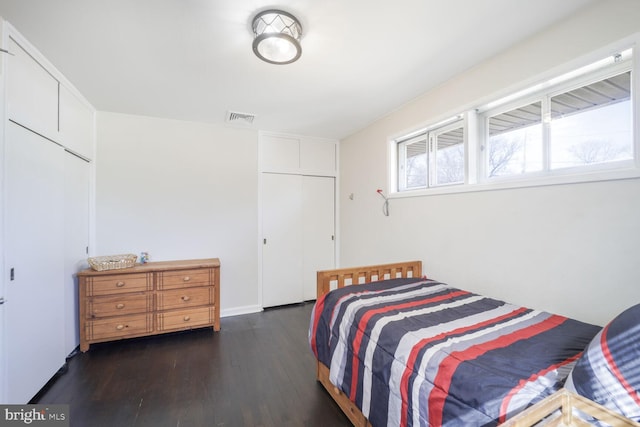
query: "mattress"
420, 352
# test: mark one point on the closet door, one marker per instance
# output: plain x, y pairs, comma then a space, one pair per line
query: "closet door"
318, 233
32, 93
34, 307
282, 239
76, 243
76, 124
3, 355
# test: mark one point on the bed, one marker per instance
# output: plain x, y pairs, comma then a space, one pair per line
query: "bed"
401, 349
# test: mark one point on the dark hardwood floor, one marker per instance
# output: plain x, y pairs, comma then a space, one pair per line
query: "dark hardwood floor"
257, 371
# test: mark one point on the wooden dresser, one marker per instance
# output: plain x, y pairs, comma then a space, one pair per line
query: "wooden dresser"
148, 299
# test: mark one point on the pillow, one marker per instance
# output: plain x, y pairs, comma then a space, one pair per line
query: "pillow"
609, 370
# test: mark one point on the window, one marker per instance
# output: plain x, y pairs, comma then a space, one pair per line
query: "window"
449, 155
432, 158
592, 124
412, 168
514, 145
560, 130
578, 124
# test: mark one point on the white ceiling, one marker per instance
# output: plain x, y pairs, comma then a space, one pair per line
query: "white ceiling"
192, 59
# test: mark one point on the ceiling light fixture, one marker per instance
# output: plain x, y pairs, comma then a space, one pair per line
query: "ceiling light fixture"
277, 37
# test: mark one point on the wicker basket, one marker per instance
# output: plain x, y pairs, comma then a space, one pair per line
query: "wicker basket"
112, 262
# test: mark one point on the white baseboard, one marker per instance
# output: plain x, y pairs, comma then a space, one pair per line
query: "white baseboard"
247, 309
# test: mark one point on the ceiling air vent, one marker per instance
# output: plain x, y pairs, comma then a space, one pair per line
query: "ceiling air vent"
234, 117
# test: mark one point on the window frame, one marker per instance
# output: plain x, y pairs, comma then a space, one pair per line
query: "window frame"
557, 81
483, 119
544, 96
401, 156
433, 148
427, 134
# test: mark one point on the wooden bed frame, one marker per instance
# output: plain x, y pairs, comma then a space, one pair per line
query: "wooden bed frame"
331, 279
557, 410
544, 410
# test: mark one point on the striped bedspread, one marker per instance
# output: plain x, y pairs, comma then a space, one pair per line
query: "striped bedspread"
419, 352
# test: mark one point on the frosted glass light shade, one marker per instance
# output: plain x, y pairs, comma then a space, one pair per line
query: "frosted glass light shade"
277, 37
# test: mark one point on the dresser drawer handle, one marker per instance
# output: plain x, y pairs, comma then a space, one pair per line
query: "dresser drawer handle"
186, 278
120, 306
186, 318
120, 284
120, 327
186, 298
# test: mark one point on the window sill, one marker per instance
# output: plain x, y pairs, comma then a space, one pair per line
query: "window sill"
523, 182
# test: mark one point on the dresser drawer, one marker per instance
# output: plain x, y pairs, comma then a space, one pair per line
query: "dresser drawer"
118, 305
185, 298
185, 278
119, 283
185, 319
119, 327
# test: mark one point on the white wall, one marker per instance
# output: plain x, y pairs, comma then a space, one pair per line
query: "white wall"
181, 190
570, 249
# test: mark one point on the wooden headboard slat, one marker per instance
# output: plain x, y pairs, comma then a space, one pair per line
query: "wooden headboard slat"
353, 275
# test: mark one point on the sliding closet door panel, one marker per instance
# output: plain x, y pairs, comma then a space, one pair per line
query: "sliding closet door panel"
282, 239
3, 351
34, 308
76, 243
318, 229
